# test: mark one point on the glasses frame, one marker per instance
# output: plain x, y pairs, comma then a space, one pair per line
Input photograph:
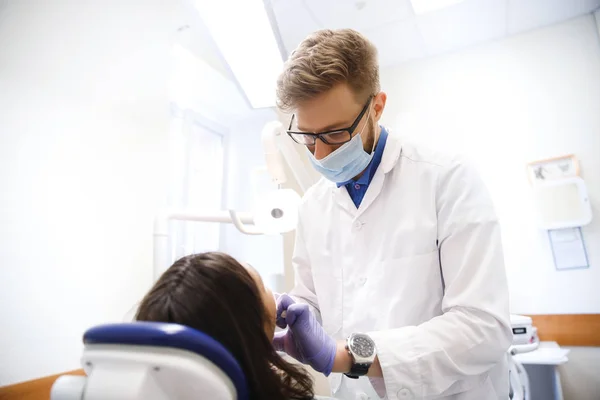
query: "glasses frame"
322, 136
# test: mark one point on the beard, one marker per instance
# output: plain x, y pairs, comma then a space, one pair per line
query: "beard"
369, 143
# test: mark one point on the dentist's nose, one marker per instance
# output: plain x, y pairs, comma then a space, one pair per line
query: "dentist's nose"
321, 150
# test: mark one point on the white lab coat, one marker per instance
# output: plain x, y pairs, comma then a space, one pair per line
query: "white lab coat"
419, 267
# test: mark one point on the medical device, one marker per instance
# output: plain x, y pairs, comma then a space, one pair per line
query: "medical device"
562, 203
525, 339
276, 210
152, 361
280, 150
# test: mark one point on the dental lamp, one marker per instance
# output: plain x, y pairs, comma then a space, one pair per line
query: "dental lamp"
280, 150
276, 214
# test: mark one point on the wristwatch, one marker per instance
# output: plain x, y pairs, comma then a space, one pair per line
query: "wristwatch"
362, 350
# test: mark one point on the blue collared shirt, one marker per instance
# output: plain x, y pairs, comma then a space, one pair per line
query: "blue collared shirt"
358, 187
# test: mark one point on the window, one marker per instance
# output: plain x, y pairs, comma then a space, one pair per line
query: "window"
197, 156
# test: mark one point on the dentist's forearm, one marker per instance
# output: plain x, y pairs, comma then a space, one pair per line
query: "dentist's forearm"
375, 370
343, 362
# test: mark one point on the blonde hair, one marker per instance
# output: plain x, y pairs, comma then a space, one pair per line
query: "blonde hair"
327, 58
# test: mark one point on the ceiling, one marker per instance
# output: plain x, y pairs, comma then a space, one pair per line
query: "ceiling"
400, 35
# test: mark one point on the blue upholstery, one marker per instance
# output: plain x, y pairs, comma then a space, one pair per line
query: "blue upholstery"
171, 335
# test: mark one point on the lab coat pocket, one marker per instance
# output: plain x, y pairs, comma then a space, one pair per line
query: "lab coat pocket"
413, 288
410, 270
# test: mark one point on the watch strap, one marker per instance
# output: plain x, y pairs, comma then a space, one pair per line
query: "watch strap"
358, 370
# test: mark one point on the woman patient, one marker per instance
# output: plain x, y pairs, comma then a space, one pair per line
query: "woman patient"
217, 295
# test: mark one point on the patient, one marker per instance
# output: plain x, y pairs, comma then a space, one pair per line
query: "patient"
217, 295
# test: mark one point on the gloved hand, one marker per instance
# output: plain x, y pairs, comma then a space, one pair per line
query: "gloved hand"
283, 301
304, 339
276, 296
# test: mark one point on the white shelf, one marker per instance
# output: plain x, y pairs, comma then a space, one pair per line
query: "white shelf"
548, 353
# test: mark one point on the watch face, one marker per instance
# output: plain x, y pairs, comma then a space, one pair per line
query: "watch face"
363, 346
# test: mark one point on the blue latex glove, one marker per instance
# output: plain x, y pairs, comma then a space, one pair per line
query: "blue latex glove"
283, 301
276, 296
304, 339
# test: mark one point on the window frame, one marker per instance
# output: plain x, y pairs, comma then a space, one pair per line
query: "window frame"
190, 118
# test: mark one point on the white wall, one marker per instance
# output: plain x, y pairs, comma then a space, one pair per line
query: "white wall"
579, 377
83, 129
506, 103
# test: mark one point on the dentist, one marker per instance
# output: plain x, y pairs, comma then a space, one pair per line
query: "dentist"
401, 290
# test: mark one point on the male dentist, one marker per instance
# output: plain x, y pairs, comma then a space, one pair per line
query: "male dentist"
401, 291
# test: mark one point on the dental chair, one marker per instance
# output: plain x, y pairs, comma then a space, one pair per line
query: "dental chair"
152, 361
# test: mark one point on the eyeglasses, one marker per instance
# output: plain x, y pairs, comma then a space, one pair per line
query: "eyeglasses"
337, 136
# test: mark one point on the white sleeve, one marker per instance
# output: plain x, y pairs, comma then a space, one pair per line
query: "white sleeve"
454, 352
304, 288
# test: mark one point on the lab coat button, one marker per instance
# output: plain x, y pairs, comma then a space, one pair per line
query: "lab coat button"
363, 281
403, 394
362, 396
357, 225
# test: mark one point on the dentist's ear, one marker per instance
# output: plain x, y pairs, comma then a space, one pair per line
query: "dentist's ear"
379, 105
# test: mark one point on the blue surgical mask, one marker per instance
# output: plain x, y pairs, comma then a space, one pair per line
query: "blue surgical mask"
344, 163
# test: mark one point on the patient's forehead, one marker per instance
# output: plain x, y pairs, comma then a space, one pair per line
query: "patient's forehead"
254, 273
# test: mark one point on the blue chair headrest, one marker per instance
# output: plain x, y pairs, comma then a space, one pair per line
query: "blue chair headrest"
176, 336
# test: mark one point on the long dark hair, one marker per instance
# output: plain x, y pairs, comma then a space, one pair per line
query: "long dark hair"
215, 294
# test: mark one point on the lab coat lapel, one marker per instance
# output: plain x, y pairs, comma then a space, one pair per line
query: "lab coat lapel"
342, 198
391, 155
373, 191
